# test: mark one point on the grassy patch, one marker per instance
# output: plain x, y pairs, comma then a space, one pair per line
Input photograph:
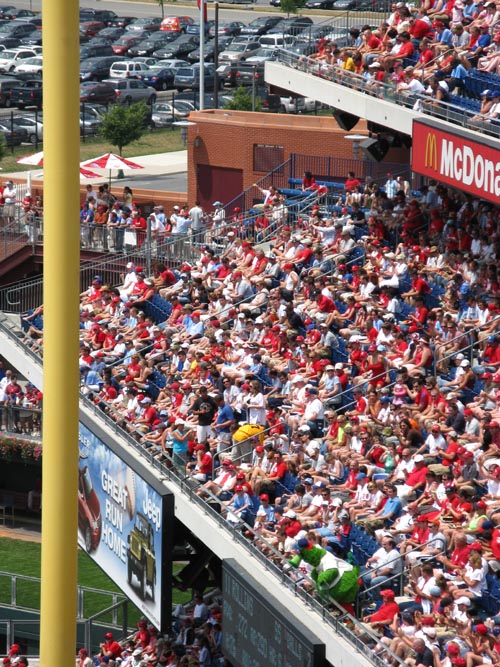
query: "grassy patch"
157, 141
20, 557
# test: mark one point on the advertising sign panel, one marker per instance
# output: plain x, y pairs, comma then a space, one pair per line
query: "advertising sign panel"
459, 159
124, 524
257, 628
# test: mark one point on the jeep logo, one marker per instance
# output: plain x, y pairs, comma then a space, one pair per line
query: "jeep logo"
152, 511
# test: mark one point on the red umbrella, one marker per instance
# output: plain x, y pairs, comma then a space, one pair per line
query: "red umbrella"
111, 161
37, 161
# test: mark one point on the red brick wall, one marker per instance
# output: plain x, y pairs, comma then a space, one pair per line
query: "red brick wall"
226, 139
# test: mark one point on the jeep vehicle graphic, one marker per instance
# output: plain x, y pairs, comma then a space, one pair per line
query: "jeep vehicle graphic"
141, 559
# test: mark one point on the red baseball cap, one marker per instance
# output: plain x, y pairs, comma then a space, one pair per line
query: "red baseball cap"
388, 593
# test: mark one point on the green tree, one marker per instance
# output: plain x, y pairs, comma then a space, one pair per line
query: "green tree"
122, 125
244, 101
3, 147
291, 6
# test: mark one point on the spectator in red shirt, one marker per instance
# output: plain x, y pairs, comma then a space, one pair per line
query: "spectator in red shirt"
110, 648
386, 612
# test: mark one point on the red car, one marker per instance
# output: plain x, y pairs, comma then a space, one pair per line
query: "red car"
89, 511
91, 28
122, 45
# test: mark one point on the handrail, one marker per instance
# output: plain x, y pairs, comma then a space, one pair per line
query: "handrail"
446, 111
464, 334
185, 487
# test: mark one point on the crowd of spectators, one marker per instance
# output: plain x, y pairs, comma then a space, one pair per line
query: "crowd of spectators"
195, 641
428, 50
341, 385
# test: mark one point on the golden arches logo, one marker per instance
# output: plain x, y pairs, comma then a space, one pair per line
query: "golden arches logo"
430, 155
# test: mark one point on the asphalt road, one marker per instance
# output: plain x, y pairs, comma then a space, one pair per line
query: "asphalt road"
242, 13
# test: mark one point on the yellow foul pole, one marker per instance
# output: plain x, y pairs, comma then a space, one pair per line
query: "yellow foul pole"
61, 305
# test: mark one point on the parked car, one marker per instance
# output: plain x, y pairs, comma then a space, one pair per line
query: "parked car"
126, 42
152, 43
176, 23
112, 32
105, 16
95, 91
12, 57
209, 50
6, 85
228, 28
189, 77
89, 124
291, 104
179, 48
159, 77
127, 69
4, 9
165, 113
33, 66
91, 28
147, 60
27, 93
237, 52
33, 126
277, 41
291, 26
261, 55
94, 50
14, 13
34, 38
128, 91
15, 30
194, 28
97, 69
89, 511
9, 58
151, 23
14, 136
247, 73
260, 26
122, 21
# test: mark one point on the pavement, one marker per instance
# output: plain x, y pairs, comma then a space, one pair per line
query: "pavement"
161, 171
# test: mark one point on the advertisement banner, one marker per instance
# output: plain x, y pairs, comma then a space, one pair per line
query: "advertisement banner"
120, 524
456, 158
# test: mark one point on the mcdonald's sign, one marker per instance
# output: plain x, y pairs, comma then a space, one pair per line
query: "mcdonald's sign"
457, 159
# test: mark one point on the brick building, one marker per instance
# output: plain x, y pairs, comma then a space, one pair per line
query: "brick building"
228, 151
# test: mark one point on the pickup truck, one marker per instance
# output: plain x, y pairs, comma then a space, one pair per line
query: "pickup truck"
28, 94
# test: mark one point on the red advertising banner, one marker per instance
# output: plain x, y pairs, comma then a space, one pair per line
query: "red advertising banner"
457, 160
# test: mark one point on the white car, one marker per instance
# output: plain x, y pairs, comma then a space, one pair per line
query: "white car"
10, 58
297, 104
31, 65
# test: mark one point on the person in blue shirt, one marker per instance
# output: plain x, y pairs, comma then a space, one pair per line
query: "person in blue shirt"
443, 35
224, 420
238, 508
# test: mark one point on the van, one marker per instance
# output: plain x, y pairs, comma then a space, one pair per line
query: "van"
127, 69
276, 41
176, 23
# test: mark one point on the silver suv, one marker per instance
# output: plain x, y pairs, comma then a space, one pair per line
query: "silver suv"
129, 91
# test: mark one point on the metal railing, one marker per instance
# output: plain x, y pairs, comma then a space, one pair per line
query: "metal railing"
469, 348
90, 631
185, 485
383, 91
21, 420
23, 592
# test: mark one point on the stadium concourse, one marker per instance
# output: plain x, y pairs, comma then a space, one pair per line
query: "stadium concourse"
340, 387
